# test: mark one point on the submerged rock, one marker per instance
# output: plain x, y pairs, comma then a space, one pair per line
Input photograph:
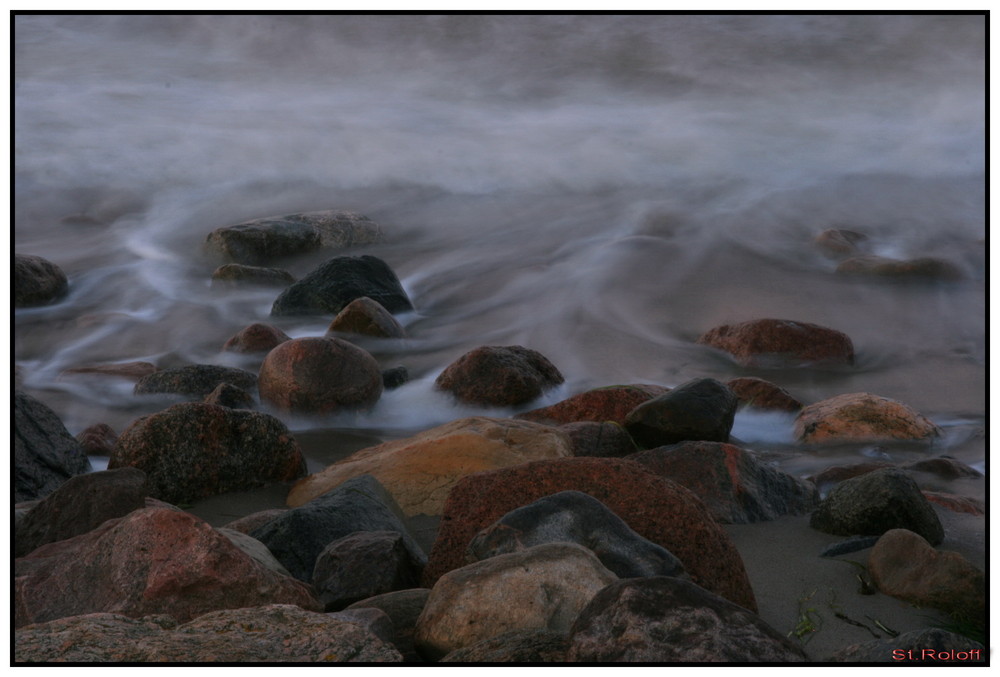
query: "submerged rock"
367, 317
45, 454
37, 281
256, 338
839, 243
700, 409
195, 380
861, 417
129, 370
922, 268
770, 342
234, 274
329, 288
611, 403
499, 376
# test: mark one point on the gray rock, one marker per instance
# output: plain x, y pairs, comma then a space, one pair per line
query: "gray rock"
298, 536
344, 574
330, 287
932, 646
403, 607
45, 454
874, 503
700, 409
37, 281
670, 620
575, 517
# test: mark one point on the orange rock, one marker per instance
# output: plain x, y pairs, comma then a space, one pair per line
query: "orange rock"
860, 417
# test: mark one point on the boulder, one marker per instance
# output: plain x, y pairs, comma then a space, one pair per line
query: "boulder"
37, 281
375, 621
45, 454
367, 317
700, 409
945, 467
828, 477
541, 588
838, 243
334, 284
250, 522
524, 646
735, 486
931, 646
80, 505
152, 561
255, 549
499, 376
195, 380
656, 508
912, 269
97, 440
194, 450
298, 536
343, 573
261, 241
419, 471
256, 338
403, 607
132, 371
316, 375
670, 620
394, 377
235, 274
228, 395
904, 565
611, 403
761, 394
874, 503
770, 343
861, 417
590, 438
273, 633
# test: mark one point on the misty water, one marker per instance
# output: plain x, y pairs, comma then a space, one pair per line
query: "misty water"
602, 189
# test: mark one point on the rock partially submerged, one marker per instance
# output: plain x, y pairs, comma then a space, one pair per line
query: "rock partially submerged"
256, 338
700, 409
499, 376
37, 281
329, 288
771, 342
367, 317
610, 403
195, 380
861, 417
236, 274
926, 268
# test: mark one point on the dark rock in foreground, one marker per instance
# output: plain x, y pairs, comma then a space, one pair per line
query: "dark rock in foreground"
700, 409
37, 281
603, 440
333, 285
770, 342
195, 380
403, 607
344, 571
499, 376
45, 454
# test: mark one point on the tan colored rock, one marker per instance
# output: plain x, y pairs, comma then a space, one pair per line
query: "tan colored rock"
419, 471
541, 588
861, 417
368, 317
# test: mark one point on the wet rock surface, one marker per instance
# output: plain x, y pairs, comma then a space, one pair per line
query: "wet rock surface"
499, 376
237, 274
37, 281
45, 454
256, 338
344, 571
861, 417
611, 403
700, 409
772, 342
367, 317
330, 287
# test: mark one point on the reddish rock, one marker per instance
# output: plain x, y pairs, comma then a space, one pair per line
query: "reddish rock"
861, 417
922, 268
499, 376
656, 508
37, 281
132, 371
257, 338
944, 467
761, 394
769, 342
319, 376
368, 317
152, 561
612, 403
97, 440
838, 243
608, 439
825, 479
956, 503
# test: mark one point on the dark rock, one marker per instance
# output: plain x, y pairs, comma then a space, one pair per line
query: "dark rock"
263, 240
769, 342
701, 409
343, 573
246, 524
761, 394
37, 281
853, 544
394, 377
874, 503
45, 454
612, 403
279, 633
670, 620
80, 505
944, 467
150, 561
591, 438
329, 288
838, 243
735, 486
319, 375
861, 417
913, 269
256, 338
403, 607
827, 478
195, 380
932, 646
367, 317
575, 517
228, 395
298, 536
194, 450
499, 376
525, 646
129, 370
97, 440
234, 274
656, 508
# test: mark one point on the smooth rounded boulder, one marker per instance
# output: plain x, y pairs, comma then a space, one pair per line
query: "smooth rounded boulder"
700, 409
334, 284
317, 375
45, 454
37, 281
499, 376
367, 317
772, 342
195, 450
861, 417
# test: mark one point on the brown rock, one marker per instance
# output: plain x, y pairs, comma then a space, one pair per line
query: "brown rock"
368, 317
245, 525
319, 376
257, 338
944, 467
419, 471
132, 371
608, 439
769, 342
761, 394
656, 508
499, 376
233, 274
37, 281
955, 503
97, 440
861, 417
923, 268
904, 565
194, 380
612, 403
152, 561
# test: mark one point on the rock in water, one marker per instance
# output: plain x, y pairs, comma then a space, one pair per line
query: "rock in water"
37, 281
769, 342
701, 409
611, 403
256, 338
367, 317
316, 375
194, 450
761, 394
195, 380
861, 417
913, 269
499, 376
233, 274
45, 454
329, 288
670, 620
